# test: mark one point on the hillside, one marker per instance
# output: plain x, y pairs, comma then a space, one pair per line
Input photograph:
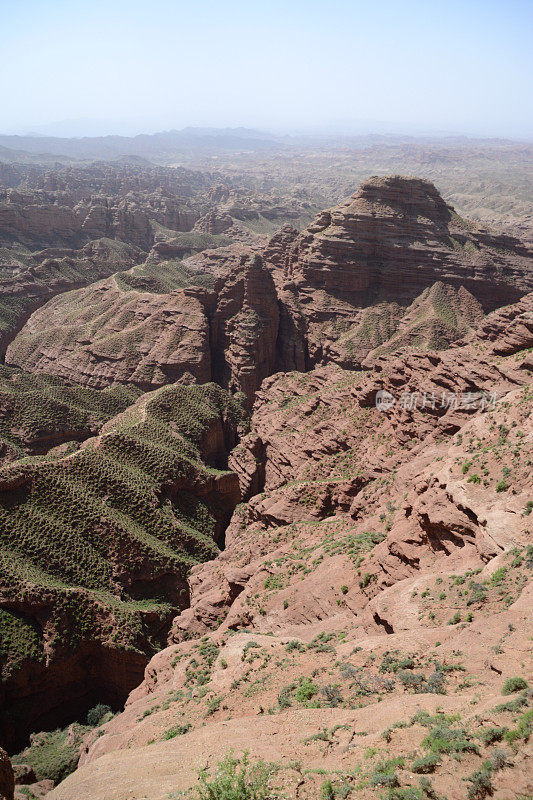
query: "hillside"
265, 480
97, 542
365, 628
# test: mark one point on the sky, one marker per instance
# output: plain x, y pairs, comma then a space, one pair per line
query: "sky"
111, 66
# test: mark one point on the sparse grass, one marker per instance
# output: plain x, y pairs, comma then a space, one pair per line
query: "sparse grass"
53, 755
236, 779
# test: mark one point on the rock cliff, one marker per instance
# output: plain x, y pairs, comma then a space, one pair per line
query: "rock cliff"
381, 249
222, 325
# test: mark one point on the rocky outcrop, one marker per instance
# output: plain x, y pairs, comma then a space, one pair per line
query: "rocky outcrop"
217, 223
394, 237
244, 327
69, 206
439, 316
37, 224
276, 253
510, 329
320, 449
214, 222
224, 328
7, 778
380, 249
100, 335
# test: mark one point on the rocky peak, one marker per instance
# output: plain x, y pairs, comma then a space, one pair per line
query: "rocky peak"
277, 250
405, 195
395, 237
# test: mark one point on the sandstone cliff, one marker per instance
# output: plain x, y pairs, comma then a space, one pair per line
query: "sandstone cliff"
383, 247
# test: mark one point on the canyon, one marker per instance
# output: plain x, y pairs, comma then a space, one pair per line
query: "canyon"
213, 527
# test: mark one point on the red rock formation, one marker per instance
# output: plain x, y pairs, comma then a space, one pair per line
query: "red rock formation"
509, 329
244, 327
100, 335
394, 237
277, 252
225, 330
319, 449
217, 223
383, 247
214, 222
52, 271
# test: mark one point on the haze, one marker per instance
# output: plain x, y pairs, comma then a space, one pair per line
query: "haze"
126, 67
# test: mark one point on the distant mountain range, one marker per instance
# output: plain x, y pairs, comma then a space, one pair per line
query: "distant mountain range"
209, 141
165, 146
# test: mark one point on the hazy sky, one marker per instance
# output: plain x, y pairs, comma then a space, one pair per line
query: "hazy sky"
129, 66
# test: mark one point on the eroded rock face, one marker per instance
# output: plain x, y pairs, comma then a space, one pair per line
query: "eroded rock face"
7, 778
224, 329
66, 207
350, 280
509, 329
45, 273
99, 336
394, 237
277, 252
244, 327
320, 451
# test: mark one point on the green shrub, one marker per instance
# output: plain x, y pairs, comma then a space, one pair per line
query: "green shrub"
444, 739
213, 705
513, 685
405, 793
236, 779
96, 714
294, 644
379, 778
177, 730
480, 782
522, 730
512, 705
425, 764
305, 691
491, 735
498, 576
327, 792
384, 773
499, 758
